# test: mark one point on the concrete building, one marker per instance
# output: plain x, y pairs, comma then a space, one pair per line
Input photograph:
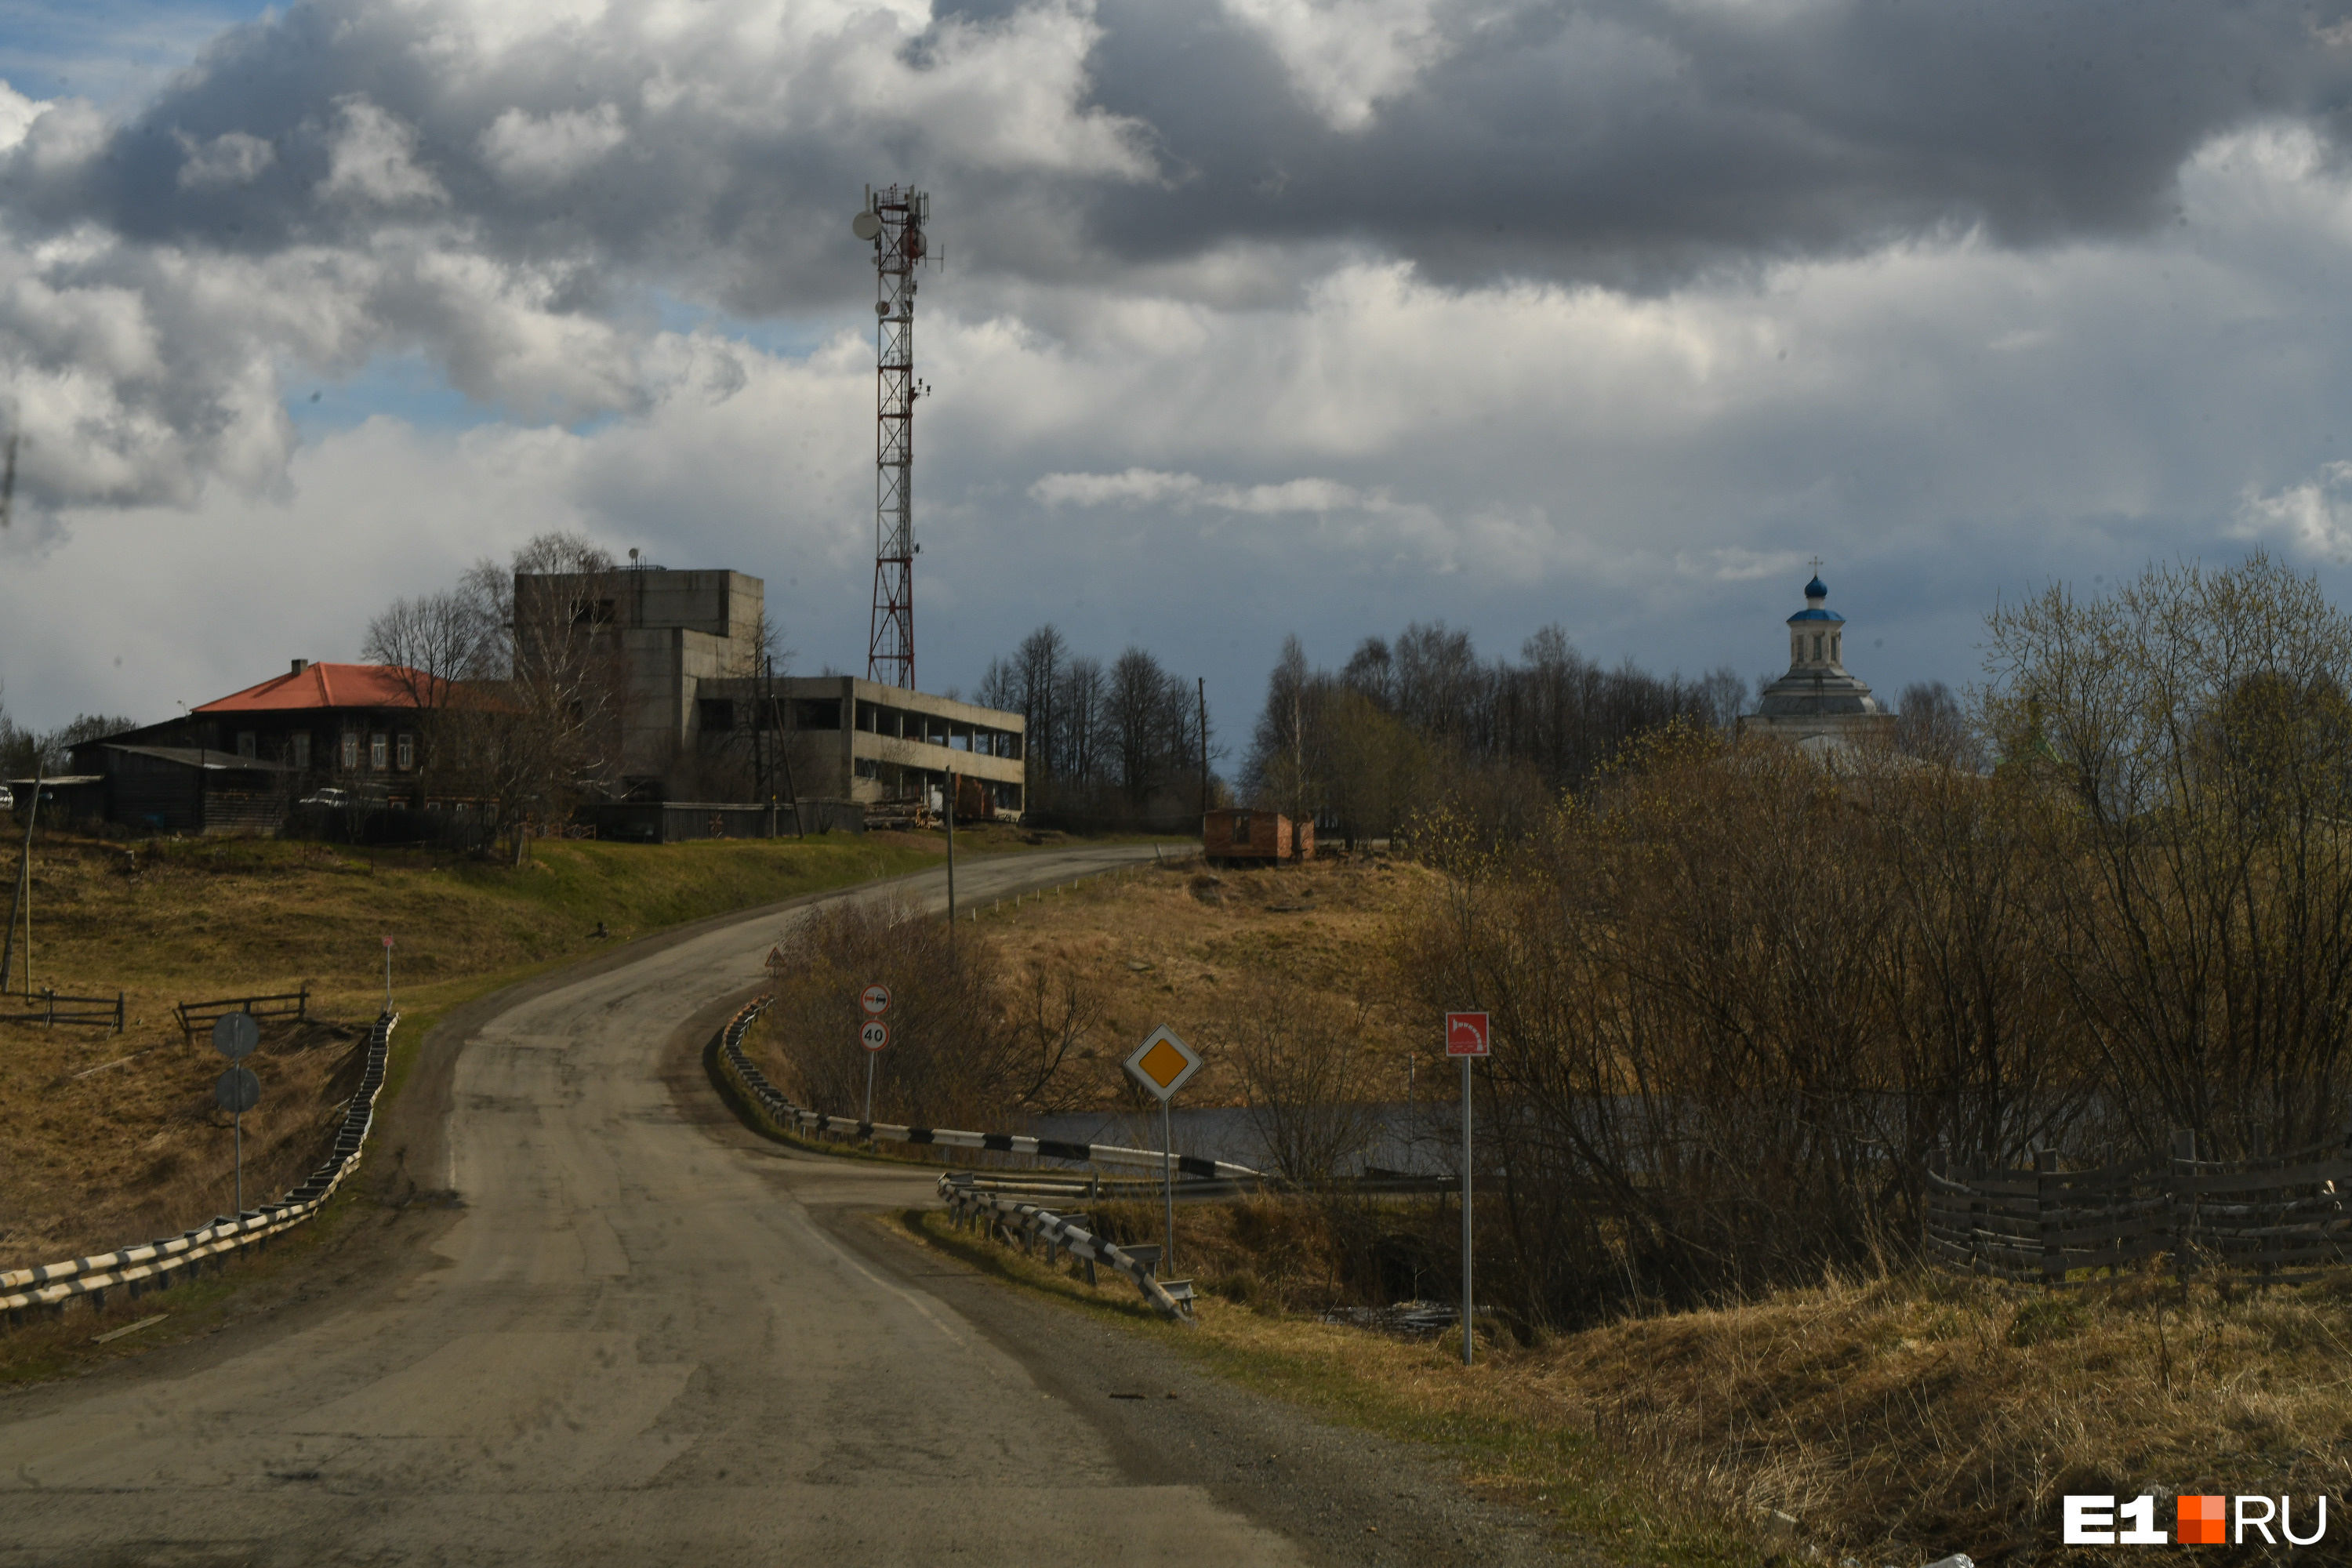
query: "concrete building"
1819, 704
862, 741
674, 631
701, 721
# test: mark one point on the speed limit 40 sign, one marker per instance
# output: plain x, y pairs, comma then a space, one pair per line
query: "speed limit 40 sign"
874, 1035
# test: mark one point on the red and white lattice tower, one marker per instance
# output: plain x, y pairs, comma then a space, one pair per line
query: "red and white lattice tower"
894, 219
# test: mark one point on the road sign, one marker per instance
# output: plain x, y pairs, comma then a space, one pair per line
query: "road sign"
1163, 1062
387, 944
1466, 1038
874, 1035
237, 1089
1465, 1034
235, 1035
875, 1000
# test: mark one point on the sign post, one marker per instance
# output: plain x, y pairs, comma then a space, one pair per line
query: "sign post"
1162, 1064
874, 1036
387, 977
234, 1035
1465, 1036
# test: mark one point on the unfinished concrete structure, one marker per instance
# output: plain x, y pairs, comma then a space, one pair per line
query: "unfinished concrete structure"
702, 721
864, 741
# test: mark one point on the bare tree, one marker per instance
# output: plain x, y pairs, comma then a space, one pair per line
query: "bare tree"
1305, 1072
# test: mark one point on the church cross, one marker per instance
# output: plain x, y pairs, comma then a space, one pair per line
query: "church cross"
1817, 565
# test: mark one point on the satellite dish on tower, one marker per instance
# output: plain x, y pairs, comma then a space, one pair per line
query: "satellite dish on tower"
865, 226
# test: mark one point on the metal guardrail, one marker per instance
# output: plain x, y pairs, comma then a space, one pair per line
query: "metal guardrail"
800, 1121
1048, 1186
1067, 1233
153, 1264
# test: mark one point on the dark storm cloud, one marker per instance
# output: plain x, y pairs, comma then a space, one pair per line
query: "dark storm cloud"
1619, 140
1630, 140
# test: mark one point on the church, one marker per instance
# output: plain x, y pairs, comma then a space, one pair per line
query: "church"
1819, 704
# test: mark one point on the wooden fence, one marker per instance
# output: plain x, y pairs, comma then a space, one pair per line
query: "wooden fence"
2280, 1216
47, 1006
195, 1016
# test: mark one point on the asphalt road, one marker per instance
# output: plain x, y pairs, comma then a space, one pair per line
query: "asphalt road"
641, 1336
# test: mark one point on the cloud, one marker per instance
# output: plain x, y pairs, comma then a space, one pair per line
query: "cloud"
2315, 516
1344, 56
230, 158
534, 152
373, 158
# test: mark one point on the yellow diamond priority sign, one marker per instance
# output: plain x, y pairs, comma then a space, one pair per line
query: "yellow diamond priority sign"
1163, 1062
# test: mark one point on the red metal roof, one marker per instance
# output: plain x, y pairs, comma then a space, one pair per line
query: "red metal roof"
326, 686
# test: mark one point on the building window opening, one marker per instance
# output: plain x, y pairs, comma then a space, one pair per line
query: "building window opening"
351, 751
825, 713
302, 751
244, 744
1817, 645
718, 715
407, 754
1240, 828
1834, 645
379, 752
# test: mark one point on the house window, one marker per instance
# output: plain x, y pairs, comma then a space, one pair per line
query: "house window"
1817, 645
302, 750
378, 753
245, 742
1240, 828
407, 753
352, 750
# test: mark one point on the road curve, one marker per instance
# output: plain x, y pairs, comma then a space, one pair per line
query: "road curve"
639, 1343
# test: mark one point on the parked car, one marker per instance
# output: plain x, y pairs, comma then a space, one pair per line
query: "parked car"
7, 798
328, 797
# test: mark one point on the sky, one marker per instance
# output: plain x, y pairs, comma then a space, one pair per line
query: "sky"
1252, 317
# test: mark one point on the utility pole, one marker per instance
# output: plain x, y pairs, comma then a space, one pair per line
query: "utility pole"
1202, 684
21, 898
951, 808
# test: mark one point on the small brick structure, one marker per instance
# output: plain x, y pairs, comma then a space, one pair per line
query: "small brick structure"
1238, 833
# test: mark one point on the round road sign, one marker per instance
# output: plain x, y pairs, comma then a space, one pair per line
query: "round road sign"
875, 1000
237, 1089
874, 1036
235, 1035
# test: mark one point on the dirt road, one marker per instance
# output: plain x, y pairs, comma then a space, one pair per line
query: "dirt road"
648, 1339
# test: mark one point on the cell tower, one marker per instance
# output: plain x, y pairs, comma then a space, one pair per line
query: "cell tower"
893, 220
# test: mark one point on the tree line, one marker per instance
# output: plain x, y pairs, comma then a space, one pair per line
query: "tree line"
25, 751
1421, 717
1107, 744
1740, 996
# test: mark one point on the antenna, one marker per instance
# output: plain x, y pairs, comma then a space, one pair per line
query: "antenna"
893, 220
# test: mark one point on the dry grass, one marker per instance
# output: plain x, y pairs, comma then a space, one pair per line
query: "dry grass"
1178, 942
111, 1139
1897, 1420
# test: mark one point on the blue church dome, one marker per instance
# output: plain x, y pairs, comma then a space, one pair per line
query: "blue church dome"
1816, 589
